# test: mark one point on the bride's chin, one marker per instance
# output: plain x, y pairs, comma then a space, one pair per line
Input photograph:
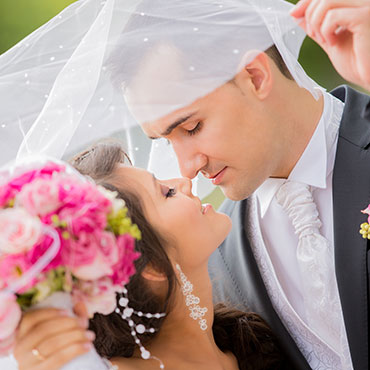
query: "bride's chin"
227, 224
223, 228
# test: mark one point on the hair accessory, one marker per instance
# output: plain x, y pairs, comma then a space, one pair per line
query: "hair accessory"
196, 312
126, 312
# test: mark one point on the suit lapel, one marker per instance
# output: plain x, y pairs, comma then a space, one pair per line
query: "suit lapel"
351, 193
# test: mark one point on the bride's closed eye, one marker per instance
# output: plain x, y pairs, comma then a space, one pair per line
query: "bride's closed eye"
168, 192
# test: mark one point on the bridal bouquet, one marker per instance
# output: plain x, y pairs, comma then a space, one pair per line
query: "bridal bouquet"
60, 233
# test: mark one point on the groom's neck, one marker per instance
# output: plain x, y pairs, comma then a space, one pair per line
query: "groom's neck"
300, 114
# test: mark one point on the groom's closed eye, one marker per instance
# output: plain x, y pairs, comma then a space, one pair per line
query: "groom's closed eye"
196, 129
174, 125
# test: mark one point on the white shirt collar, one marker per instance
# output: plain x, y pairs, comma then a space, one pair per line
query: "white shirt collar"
317, 160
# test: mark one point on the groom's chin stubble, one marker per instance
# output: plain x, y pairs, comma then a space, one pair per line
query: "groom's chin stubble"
234, 192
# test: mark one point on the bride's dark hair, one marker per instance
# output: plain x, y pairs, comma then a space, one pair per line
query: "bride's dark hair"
246, 335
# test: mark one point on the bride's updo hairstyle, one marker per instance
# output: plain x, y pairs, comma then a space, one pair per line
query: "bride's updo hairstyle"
246, 335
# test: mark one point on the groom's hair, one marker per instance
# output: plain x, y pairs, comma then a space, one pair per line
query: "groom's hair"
246, 335
130, 48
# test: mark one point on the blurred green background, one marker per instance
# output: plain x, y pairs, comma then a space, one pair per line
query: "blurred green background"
18, 18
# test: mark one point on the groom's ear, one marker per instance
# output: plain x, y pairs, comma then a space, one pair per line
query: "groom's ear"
257, 76
151, 274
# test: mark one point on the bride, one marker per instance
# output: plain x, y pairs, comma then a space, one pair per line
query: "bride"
178, 237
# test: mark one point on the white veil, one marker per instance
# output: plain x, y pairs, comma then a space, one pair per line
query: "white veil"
64, 86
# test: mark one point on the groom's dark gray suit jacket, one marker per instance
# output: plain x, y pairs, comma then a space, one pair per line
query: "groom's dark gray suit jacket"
233, 268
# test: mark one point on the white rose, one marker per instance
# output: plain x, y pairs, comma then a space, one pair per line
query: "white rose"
19, 231
117, 203
40, 197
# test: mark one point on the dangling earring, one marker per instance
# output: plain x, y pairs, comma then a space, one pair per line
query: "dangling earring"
196, 312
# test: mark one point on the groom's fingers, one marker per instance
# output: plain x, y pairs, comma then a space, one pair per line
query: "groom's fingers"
314, 16
336, 20
317, 11
300, 8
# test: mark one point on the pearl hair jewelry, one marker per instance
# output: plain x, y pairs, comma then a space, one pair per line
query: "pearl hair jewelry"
126, 312
196, 312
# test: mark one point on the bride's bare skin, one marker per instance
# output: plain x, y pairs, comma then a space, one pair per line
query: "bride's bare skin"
173, 211
58, 337
181, 344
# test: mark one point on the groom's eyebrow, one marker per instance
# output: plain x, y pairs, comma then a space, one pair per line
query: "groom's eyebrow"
177, 123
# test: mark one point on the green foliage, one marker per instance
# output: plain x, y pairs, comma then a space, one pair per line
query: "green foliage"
18, 18
121, 224
55, 281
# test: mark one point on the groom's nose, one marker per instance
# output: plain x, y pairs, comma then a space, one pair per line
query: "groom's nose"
190, 161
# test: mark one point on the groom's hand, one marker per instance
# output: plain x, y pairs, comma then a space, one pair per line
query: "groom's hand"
342, 29
56, 337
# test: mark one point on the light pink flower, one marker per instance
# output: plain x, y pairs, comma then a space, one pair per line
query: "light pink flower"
98, 296
14, 186
40, 248
12, 267
10, 315
125, 266
85, 209
81, 250
40, 197
367, 212
106, 255
19, 231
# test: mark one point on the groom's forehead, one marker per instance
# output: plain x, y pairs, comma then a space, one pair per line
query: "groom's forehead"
160, 86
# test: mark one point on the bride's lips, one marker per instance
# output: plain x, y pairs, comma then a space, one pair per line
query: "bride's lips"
206, 208
216, 179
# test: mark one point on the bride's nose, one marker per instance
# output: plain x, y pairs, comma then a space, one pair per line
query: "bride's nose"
184, 185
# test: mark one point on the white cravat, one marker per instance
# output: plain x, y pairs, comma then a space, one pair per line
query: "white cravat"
315, 169
315, 260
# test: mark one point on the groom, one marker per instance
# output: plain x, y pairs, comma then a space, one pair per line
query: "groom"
295, 170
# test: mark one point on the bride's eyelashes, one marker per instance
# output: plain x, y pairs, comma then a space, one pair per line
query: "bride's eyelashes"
195, 130
171, 192
168, 192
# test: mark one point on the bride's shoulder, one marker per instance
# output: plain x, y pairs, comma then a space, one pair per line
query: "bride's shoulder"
123, 363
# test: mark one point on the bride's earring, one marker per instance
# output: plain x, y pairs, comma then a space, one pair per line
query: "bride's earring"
196, 312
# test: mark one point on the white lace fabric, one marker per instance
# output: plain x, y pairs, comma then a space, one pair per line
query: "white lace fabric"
315, 258
319, 355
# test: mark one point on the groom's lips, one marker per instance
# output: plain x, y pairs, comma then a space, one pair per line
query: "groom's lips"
217, 178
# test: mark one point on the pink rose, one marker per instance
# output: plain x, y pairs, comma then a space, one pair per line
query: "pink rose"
85, 209
81, 251
15, 185
19, 231
98, 296
40, 197
40, 248
11, 269
102, 247
10, 315
6, 194
367, 212
125, 266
